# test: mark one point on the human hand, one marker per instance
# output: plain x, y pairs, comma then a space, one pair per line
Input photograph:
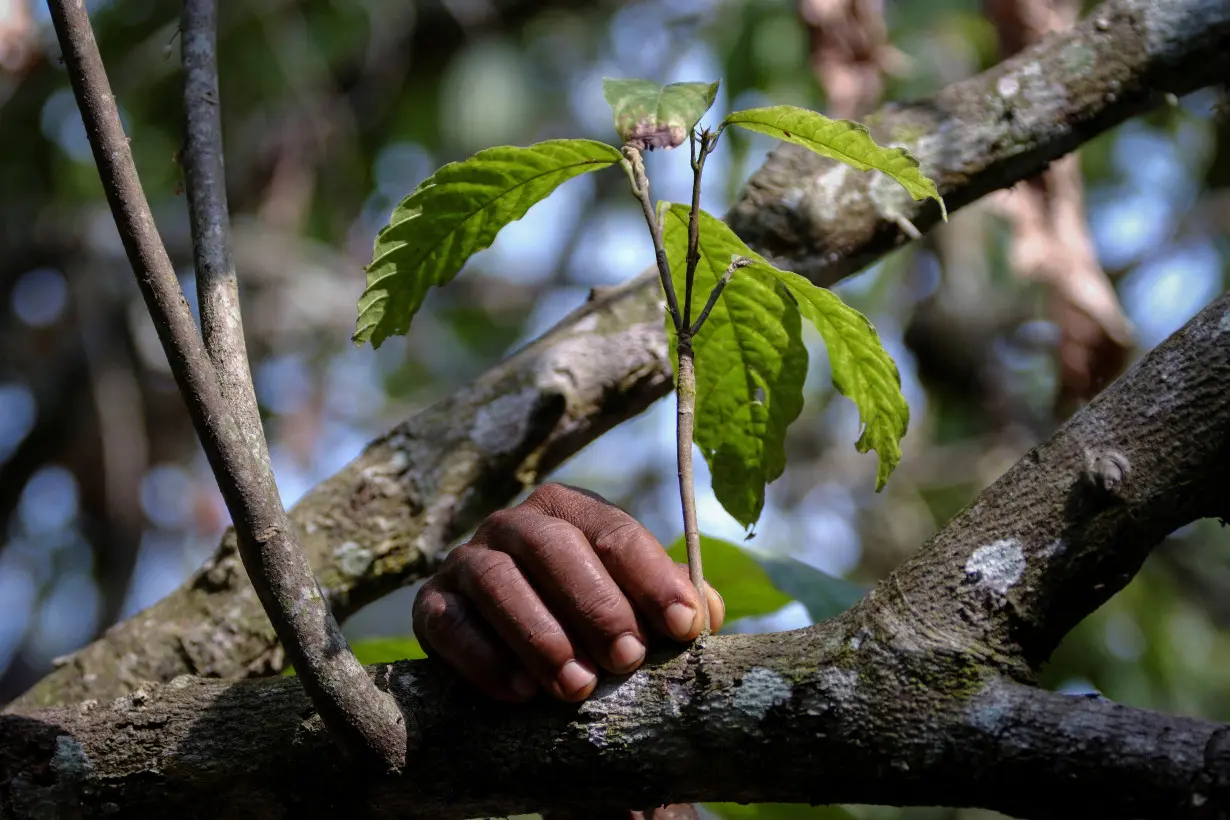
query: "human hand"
549, 588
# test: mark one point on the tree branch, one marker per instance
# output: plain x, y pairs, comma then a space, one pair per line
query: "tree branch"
396, 506
205, 183
364, 720
795, 717
1067, 527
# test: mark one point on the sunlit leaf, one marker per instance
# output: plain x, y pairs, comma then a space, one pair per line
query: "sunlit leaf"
649, 115
861, 369
455, 213
744, 585
842, 140
750, 367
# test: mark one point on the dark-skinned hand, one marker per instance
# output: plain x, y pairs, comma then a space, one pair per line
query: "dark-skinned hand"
552, 591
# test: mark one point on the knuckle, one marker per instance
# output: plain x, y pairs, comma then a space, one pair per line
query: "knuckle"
502, 519
549, 496
443, 622
458, 561
616, 539
605, 610
491, 571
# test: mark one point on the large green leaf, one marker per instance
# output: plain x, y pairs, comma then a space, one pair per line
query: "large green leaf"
861, 368
737, 576
383, 650
650, 115
455, 213
750, 366
825, 596
842, 140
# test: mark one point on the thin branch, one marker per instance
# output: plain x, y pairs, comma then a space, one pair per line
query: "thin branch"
640, 188
700, 147
205, 182
365, 721
715, 294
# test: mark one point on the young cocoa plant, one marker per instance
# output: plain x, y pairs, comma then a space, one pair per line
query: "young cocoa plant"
734, 319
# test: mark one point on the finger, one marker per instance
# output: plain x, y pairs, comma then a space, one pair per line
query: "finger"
717, 604
630, 553
496, 587
447, 626
564, 568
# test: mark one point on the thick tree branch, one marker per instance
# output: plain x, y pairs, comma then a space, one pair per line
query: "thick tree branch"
794, 717
384, 519
826, 221
1066, 528
364, 720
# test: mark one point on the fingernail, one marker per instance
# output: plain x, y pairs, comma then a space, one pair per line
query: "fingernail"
523, 685
626, 652
574, 678
679, 620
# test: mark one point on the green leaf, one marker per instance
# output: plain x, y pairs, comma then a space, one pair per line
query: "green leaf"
825, 596
742, 582
777, 811
383, 650
455, 213
649, 115
861, 369
842, 140
750, 366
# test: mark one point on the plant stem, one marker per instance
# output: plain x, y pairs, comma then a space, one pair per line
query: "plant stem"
741, 262
685, 387
695, 142
685, 423
640, 187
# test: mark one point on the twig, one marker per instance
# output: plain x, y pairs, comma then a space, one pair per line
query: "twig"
217, 286
741, 262
363, 720
640, 187
695, 142
685, 424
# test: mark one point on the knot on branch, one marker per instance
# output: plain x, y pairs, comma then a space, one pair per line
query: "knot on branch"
1106, 471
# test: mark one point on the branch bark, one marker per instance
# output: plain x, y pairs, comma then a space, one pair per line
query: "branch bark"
205, 183
786, 718
384, 520
363, 720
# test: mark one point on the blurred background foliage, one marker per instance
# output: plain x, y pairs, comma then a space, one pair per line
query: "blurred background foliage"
334, 111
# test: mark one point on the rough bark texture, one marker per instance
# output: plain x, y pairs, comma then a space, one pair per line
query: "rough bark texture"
797, 717
384, 520
361, 718
917, 695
